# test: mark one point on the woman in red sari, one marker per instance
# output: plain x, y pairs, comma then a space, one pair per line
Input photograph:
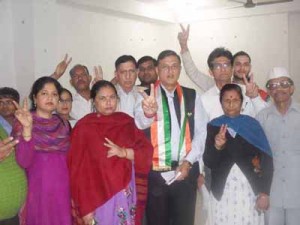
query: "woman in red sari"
107, 153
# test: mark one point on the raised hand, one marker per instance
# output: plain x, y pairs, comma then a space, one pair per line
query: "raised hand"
98, 74
183, 37
61, 67
251, 86
220, 138
149, 103
23, 115
6, 147
114, 150
114, 81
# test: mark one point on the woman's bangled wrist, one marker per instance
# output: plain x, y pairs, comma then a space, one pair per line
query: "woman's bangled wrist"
125, 153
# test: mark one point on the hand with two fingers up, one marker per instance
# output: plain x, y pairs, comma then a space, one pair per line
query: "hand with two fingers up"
220, 138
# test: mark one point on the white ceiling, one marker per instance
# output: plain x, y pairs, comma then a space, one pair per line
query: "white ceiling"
174, 11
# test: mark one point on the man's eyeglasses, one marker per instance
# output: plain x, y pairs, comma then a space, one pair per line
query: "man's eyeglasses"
219, 66
166, 68
8, 103
282, 84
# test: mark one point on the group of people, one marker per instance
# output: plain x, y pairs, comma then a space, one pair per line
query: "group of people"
116, 153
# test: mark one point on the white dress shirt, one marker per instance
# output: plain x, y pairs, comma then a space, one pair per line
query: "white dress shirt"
213, 108
127, 100
80, 107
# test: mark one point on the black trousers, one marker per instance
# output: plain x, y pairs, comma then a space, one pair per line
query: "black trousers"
172, 204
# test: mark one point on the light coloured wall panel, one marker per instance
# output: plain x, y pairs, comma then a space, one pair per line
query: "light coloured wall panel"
294, 47
265, 38
92, 38
50, 30
7, 74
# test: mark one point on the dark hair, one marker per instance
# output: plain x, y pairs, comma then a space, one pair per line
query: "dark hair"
72, 71
231, 87
167, 53
219, 52
124, 59
38, 86
241, 53
101, 84
146, 58
67, 91
7, 92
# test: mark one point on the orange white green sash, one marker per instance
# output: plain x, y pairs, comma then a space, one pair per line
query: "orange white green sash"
161, 131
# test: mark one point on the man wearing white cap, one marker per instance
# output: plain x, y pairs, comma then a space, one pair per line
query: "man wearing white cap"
281, 122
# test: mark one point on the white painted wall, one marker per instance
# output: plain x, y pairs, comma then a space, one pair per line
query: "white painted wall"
39, 33
294, 50
7, 73
265, 38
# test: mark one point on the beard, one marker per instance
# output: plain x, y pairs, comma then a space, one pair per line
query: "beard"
236, 78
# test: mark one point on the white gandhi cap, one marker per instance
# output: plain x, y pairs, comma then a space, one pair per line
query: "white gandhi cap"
277, 72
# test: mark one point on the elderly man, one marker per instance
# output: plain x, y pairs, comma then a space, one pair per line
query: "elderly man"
281, 122
80, 80
177, 132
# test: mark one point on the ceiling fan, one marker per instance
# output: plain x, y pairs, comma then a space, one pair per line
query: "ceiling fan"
252, 4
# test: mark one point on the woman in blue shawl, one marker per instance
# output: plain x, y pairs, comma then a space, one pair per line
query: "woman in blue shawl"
240, 159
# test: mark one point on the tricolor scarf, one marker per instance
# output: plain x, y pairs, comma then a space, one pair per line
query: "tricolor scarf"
161, 131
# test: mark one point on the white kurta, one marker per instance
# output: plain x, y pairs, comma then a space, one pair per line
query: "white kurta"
237, 205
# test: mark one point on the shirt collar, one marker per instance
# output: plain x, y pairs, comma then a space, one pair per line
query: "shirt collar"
293, 107
168, 94
122, 92
78, 96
